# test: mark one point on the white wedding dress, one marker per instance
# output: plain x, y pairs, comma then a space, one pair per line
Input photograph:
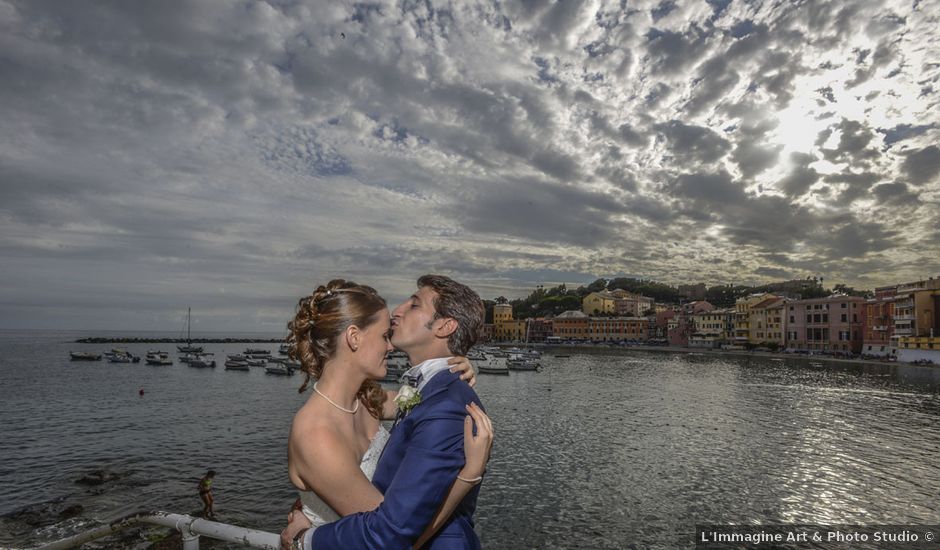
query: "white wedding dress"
319, 512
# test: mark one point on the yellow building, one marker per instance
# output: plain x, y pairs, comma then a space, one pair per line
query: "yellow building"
917, 321
712, 328
742, 308
766, 322
509, 331
502, 312
505, 328
598, 302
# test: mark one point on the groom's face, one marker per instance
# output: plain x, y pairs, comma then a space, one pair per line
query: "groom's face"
413, 320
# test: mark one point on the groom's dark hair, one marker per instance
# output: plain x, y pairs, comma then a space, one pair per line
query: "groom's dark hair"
458, 302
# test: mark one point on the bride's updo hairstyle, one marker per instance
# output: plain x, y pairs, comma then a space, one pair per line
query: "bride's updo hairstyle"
320, 322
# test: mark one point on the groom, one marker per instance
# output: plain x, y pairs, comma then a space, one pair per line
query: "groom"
425, 451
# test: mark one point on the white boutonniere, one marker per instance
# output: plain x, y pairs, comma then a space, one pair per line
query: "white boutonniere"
407, 398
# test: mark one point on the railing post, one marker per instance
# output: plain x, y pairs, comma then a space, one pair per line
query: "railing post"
189, 538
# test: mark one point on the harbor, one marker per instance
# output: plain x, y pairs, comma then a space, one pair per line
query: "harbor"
673, 438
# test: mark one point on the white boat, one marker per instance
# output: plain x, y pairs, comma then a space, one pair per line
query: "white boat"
189, 347
202, 361
236, 365
159, 359
279, 369
487, 364
118, 355
284, 349
256, 353
521, 361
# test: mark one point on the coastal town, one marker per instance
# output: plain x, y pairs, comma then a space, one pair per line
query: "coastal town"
899, 322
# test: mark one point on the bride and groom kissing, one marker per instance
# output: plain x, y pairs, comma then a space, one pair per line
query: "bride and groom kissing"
360, 485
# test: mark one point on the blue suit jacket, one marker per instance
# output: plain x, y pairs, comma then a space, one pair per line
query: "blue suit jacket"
420, 463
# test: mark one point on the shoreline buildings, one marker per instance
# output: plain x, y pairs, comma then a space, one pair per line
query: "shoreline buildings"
900, 320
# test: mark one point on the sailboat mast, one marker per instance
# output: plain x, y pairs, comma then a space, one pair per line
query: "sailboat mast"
189, 312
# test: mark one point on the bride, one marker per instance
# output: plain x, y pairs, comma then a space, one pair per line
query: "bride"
341, 335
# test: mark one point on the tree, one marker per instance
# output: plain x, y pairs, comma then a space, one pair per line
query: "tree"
597, 286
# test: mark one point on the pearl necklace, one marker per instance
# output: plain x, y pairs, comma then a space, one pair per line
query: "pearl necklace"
331, 402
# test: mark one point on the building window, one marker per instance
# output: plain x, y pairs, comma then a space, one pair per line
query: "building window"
844, 317
843, 306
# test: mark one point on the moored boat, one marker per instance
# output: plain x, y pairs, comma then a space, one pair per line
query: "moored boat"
84, 356
522, 361
486, 364
189, 347
236, 365
118, 355
279, 369
202, 361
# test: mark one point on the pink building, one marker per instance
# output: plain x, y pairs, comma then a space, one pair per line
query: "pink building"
878, 322
660, 325
678, 330
698, 306
831, 324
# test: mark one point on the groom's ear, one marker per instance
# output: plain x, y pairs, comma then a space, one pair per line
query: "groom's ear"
447, 327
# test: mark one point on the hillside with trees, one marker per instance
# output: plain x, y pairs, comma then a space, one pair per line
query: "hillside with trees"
544, 302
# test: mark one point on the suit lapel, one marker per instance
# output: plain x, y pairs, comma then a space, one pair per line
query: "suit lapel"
438, 383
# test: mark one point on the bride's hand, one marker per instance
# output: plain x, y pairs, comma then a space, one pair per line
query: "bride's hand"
462, 364
476, 448
296, 521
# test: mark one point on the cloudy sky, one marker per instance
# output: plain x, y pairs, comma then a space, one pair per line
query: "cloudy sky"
231, 155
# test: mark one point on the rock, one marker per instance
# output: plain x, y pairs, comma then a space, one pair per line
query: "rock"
72, 511
97, 477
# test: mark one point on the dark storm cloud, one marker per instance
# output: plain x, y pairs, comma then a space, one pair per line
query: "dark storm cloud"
671, 52
540, 211
801, 177
693, 143
857, 184
896, 194
922, 166
853, 143
229, 155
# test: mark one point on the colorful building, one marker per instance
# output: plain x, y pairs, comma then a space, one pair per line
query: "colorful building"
917, 321
712, 329
767, 323
570, 325
678, 330
614, 329
505, 328
832, 324
878, 322
539, 329
742, 322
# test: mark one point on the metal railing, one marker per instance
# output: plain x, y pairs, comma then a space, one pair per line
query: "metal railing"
190, 529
